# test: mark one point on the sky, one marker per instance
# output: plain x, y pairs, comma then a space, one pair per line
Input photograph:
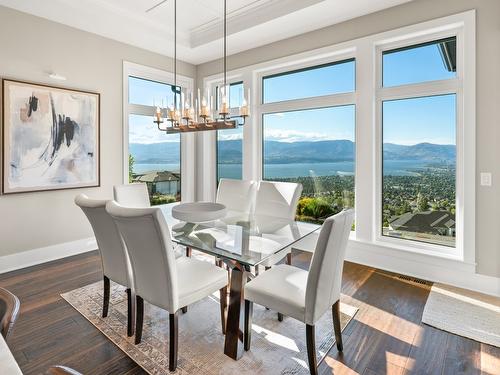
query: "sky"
409, 121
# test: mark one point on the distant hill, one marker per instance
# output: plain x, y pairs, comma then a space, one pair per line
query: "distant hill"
297, 152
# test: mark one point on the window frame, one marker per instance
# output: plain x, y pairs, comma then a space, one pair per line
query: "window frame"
364, 243
233, 110
187, 149
418, 90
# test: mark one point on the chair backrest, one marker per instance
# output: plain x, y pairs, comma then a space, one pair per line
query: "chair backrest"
236, 195
114, 257
325, 273
132, 195
149, 246
278, 199
9, 309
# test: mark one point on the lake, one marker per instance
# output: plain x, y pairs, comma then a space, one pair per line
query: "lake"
391, 168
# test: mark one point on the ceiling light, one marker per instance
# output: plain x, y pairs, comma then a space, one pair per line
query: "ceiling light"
183, 116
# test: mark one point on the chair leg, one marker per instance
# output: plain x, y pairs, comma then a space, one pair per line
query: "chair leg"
289, 258
174, 341
223, 308
336, 325
311, 349
189, 252
280, 317
139, 318
105, 302
130, 314
247, 334
184, 309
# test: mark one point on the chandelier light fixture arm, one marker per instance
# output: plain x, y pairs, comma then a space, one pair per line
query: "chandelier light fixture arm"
183, 116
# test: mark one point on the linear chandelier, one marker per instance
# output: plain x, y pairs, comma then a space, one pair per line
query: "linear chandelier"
183, 117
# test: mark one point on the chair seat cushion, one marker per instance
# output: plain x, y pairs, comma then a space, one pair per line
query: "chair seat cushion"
282, 288
198, 279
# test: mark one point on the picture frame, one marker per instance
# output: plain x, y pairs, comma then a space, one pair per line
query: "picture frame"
50, 137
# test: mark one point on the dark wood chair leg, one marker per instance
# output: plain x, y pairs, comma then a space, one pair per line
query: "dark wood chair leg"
223, 308
139, 318
311, 349
105, 302
289, 259
174, 341
189, 252
336, 325
247, 333
280, 317
130, 314
267, 268
184, 309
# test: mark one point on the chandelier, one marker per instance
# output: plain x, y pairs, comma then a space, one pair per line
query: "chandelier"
183, 116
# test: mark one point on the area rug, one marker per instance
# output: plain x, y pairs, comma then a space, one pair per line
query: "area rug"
464, 313
277, 347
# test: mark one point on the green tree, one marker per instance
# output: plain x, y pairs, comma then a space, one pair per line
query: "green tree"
422, 203
130, 168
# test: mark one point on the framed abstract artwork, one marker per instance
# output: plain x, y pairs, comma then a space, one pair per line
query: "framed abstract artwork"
50, 138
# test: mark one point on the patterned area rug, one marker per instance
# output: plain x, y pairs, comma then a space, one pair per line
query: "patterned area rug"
277, 347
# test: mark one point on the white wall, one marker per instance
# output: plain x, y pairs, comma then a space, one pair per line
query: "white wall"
30, 47
487, 95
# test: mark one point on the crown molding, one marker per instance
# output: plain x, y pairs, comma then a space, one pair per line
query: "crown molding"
247, 17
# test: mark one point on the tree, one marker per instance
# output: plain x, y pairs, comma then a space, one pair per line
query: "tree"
422, 203
130, 168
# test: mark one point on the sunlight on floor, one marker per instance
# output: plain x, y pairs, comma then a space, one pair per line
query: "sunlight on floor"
276, 338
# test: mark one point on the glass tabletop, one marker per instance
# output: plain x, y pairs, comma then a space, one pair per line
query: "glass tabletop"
248, 239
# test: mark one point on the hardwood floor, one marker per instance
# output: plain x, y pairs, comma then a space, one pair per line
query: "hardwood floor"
386, 336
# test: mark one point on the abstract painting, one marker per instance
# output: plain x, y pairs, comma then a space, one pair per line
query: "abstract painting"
50, 138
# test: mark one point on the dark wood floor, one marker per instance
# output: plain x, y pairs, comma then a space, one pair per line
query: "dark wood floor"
386, 336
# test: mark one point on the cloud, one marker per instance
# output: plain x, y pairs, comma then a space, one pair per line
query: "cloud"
147, 136
283, 135
229, 137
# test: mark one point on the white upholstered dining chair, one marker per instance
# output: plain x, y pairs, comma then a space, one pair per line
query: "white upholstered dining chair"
115, 263
236, 195
132, 195
306, 295
160, 278
277, 199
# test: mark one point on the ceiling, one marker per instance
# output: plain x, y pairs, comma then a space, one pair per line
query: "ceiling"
149, 23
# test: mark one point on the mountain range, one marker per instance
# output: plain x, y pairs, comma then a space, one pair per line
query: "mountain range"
297, 152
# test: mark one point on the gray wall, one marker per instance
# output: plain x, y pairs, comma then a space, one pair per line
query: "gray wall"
488, 92
30, 47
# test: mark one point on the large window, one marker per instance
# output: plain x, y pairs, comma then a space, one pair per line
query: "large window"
230, 141
312, 144
419, 145
328, 79
154, 156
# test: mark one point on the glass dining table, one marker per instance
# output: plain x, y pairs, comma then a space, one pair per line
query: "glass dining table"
243, 242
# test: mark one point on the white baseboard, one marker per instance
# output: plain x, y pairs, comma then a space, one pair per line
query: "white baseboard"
33, 257
446, 271
426, 267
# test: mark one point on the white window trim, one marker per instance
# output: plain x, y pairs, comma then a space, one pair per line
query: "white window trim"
465, 173
187, 140
207, 188
367, 98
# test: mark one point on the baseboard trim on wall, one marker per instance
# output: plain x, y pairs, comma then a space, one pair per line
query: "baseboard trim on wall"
33, 257
446, 271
